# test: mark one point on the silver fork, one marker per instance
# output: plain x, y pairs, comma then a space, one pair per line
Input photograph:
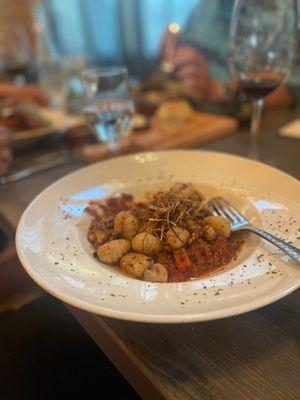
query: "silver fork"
238, 222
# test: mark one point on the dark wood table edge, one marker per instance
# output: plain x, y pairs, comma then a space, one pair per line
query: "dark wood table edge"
125, 361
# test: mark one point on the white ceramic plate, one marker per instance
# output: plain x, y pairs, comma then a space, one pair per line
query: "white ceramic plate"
58, 121
52, 246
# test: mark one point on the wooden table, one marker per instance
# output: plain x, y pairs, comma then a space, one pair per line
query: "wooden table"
253, 356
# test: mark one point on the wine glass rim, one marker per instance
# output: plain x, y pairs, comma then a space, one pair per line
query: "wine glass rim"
104, 71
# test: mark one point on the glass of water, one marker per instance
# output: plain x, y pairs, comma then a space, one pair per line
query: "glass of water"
108, 106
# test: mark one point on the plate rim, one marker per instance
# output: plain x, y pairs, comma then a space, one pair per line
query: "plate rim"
154, 318
213, 153
146, 317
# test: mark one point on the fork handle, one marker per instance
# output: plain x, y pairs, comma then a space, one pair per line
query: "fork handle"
292, 251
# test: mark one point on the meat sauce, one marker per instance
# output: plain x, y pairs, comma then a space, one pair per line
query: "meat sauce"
205, 258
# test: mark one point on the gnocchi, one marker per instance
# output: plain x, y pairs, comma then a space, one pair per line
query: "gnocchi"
100, 236
169, 236
135, 264
112, 252
146, 243
209, 233
156, 273
177, 237
119, 221
126, 224
220, 225
186, 191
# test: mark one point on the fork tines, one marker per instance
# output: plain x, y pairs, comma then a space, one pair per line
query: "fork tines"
226, 210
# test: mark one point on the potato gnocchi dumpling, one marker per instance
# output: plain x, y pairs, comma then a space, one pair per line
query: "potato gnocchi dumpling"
135, 264
126, 224
156, 273
112, 252
177, 237
186, 191
171, 236
100, 236
220, 225
119, 221
146, 243
209, 233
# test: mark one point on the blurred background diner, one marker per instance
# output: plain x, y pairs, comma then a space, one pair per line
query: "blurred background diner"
171, 51
85, 80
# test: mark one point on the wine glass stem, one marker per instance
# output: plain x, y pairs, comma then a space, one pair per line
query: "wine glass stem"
257, 106
113, 146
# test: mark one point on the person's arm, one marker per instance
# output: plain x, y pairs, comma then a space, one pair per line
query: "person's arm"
192, 70
287, 94
200, 59
280, 98
26, 93
207, 31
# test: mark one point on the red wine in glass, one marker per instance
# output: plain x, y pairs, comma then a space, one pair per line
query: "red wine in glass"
261, 51
259, 86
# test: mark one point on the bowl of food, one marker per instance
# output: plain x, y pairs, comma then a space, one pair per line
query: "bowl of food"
134, 237
171, 236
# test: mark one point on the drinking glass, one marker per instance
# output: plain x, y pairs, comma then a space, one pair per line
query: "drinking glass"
108, 106
261, 49
53, 80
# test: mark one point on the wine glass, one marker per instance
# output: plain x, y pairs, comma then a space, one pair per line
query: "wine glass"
261, 49
108, 107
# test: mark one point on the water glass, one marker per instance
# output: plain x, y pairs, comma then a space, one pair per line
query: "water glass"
108, 106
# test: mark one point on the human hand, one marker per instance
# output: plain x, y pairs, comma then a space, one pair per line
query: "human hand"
192, 70
5, 149
27, 94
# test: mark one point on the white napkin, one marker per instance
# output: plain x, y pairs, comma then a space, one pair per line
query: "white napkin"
291, 130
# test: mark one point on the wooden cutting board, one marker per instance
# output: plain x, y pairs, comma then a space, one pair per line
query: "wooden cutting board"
202, 128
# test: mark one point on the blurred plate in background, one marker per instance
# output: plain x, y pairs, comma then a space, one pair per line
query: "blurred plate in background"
57, 122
